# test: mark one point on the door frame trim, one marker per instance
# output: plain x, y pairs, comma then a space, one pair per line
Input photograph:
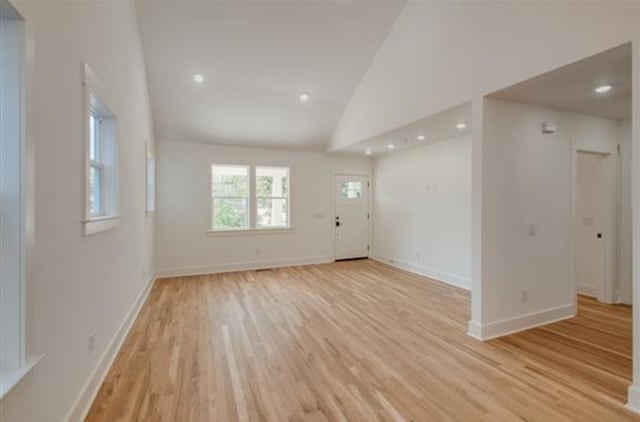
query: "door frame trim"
606, 294
369, 177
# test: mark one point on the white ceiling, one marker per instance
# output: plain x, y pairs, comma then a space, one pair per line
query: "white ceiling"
571, 87
434, 128
256, 58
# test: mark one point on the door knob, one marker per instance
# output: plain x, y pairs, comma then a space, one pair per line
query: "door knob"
337, 223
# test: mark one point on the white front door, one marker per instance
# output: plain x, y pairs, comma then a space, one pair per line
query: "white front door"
590, 224
351, 216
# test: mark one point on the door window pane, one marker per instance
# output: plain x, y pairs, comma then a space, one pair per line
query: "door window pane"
351, 190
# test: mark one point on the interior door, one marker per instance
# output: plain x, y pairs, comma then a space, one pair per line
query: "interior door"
351, 216
589, 234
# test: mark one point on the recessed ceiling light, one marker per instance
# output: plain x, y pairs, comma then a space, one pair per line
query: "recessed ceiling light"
421, 137
461, 125
391, 146
603, 89
198, 78
368, 151
304, 97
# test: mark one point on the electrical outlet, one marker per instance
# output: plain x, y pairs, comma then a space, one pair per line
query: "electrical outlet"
92, 342
417, 255
532, 230
525, 295
257, 252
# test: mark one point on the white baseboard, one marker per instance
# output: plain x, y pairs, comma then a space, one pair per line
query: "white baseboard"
633, 402
432, 273
591, 291
85, 399
520, 323
240, 266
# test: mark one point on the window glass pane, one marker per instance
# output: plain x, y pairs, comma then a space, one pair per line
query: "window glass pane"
272, 212
230, 213
272, 182
92, 137
351, 190
229, 181
95, 191
151, 184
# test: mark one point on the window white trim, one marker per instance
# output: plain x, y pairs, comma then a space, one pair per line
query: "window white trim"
96, 99
17, 175
150, 179
252, 203
251, 232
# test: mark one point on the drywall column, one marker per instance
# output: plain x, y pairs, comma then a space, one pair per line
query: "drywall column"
477, 137
634, 389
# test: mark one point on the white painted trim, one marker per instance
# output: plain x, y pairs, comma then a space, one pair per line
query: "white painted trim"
590, 291
100, 224
634, 399
475, 330
83, 402
250, 232
633, 403
240, 266
431, 273
10, 380
520, 323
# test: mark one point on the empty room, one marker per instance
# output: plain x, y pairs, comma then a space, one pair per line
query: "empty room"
319, 210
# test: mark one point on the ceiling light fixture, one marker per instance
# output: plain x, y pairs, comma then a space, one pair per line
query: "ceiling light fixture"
461, 125
198, 78
391, 146
368, 151
603, 89
304, 97
421, 137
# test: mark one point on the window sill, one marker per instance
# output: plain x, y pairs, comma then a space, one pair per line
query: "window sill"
249, 232
13, 378
100, 224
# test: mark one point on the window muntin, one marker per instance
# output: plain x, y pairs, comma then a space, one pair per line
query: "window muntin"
351, 190
272, 197
229, 197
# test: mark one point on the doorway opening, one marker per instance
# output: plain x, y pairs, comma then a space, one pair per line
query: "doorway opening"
594, 225
351, 216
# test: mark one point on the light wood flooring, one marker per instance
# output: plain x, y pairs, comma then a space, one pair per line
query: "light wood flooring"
356, 341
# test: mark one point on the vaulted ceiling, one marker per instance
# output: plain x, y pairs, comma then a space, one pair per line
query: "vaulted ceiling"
256, 58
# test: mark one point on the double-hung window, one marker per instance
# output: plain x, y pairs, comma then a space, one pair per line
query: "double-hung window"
247, 197
230, 197
272, 197
102, 196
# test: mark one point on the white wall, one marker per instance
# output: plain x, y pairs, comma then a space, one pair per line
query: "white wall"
424, 65
527, 180
625, 226
184, 197
80, 284
422, 210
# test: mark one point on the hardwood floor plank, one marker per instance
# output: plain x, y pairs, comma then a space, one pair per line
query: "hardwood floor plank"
356, 341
